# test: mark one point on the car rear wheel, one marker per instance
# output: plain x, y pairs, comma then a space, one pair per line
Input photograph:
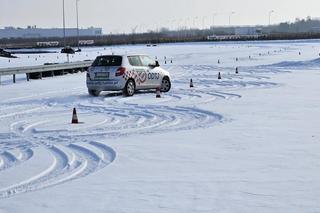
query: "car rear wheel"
130, 88
94, 93
165, 85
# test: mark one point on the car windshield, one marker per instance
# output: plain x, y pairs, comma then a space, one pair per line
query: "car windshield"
108, 61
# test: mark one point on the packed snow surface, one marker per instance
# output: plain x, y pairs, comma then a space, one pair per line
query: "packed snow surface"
249, 142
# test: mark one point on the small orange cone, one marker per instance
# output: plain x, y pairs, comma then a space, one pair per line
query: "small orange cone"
74, 117
191, 83
158, 93
219, 76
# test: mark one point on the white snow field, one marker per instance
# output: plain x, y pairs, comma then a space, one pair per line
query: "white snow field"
249, 142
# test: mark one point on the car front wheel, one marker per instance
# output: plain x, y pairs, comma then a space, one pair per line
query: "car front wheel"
165, 85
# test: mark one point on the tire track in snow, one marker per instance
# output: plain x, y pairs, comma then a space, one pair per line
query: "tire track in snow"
77, 155
21, 112
9, 159
147, 119
68, 163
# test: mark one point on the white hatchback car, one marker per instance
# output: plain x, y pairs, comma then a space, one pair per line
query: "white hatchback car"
127, 73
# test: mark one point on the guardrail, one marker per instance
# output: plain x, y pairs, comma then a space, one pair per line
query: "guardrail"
49, 70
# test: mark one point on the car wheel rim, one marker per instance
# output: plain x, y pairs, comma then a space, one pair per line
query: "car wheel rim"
130, 88
165, 85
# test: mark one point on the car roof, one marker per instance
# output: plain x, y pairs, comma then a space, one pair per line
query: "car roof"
125, 55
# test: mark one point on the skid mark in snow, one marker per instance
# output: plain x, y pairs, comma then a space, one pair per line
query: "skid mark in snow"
8, 160
134, 119
13, 158
39, 96
5, 115
295, 65
44, 120
68, 163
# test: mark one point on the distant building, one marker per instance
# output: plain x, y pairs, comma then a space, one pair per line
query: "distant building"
231, 37
247, 31
34, 32
48, 44
315, 30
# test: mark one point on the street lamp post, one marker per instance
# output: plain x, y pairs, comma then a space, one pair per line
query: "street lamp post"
195, 21
232, 13
213, 19
173, 24
203, 22
67, 50
270, 13
64, 25
187, 23
78, 34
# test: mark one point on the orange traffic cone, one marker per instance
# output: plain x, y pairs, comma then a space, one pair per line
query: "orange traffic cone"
74, 117
191, 83
219, 76
158, 93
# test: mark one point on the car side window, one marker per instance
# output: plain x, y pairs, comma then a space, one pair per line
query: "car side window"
134, 61
146, 61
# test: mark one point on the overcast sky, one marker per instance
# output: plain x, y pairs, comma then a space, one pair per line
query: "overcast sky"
124, 15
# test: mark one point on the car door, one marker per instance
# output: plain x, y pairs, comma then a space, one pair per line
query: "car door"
139, 73
153, 75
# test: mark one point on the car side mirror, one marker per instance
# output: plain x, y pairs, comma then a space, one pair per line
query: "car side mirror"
156, 64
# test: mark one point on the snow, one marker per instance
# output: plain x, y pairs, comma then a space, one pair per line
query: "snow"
246, 143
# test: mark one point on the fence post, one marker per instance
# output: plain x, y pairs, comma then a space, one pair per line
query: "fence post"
14, 78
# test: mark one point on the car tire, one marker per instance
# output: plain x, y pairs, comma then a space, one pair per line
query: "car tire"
165, 84
94, 93
130, 88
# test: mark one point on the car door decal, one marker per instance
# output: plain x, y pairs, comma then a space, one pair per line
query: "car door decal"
139, 77
142, 77
153, 76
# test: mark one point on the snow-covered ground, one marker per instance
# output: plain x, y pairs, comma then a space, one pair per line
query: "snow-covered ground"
247, 143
